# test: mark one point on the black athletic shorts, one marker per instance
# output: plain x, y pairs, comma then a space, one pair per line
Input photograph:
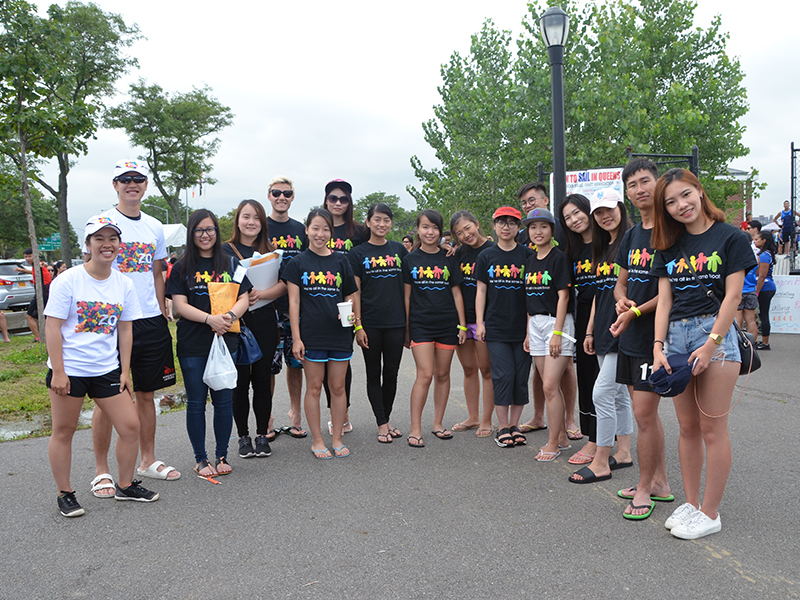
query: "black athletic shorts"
100, 386
33, 308
152, 362
635, 371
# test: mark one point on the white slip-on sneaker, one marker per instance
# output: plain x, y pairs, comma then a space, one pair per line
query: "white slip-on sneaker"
699, 525
680, 515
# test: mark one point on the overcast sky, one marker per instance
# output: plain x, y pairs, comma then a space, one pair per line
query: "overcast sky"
324, 90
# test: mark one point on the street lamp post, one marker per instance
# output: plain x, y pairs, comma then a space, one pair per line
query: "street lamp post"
554, 24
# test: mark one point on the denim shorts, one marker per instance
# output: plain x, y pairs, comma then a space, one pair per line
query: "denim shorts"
687, 335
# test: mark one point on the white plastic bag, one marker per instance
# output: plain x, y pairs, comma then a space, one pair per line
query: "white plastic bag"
220, 372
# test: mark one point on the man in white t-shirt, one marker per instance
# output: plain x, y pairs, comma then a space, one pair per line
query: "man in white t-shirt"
152, 362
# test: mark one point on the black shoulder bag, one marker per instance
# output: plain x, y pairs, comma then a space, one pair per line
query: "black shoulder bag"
751, 361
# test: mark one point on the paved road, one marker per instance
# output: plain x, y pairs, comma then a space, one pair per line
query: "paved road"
457, 519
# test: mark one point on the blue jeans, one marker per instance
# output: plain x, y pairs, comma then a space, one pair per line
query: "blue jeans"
687, 335
196, 396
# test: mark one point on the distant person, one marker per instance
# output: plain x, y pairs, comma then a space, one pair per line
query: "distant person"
408, 242
748, 216
765, 285
785, 220
33, 309
59, 266
4, 327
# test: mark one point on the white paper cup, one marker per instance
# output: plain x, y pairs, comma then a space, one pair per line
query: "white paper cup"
346, 313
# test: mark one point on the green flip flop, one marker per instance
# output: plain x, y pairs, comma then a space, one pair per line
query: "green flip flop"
670, 498
639, 517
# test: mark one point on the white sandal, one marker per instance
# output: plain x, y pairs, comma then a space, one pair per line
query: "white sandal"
97, 486
153, 473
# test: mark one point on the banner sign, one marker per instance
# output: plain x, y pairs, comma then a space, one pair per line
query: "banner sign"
589, 181
784, 311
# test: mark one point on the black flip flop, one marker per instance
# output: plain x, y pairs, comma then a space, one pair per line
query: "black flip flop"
588, 476
295, 432
440, 433
614, 465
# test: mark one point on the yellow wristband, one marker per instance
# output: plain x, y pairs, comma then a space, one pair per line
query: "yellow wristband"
636, 311
557, 332
461, 327
359, 328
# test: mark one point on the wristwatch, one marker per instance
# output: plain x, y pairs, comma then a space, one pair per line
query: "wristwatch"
234, 317
716, 337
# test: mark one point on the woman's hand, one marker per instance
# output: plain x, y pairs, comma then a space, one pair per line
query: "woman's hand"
59, 383
298, 349
660, 360
588, 344
253, 296
361, 339
703, 355
621, 324
555, 346
480, 332
125, 384
462, 336
220, 323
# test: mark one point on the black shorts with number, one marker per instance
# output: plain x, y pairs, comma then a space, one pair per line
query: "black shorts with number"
152, 362
635, 371
100, 386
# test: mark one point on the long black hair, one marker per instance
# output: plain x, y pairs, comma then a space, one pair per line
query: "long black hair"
435, 217
350, 225
769, 245
573, 242
191, 257
602, 248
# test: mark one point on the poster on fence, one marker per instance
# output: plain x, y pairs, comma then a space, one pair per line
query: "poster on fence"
589, 181
784, 312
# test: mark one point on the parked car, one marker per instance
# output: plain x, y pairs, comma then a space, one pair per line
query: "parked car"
16, 289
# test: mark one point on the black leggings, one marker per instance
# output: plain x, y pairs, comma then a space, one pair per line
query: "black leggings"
386, 344
764, 300
263, 324
587, 368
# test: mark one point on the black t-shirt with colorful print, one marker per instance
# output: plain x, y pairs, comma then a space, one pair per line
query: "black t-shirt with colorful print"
194, 338
380, 269
343, 243
291, 238
503, 272
543, 279
636, 255
583, 275
324, 281
467, 255
715, 254
605, 307
432, 310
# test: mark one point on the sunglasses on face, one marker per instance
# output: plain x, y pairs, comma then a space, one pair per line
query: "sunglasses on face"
134, 178
209, 231
337, 199
277, 193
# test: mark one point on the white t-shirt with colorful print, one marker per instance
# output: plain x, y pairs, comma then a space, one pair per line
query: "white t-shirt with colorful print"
91, 310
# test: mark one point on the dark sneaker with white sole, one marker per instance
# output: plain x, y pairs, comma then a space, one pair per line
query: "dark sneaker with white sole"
246, 447
135, 492
762, 346
262, 446
68, 505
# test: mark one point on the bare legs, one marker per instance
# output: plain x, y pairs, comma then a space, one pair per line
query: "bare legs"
433, 364
552, 370
315, 373
474, 359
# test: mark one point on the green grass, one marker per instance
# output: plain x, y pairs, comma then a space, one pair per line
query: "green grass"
23, 369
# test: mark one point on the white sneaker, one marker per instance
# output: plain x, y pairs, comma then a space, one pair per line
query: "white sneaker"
699, 525
681, 515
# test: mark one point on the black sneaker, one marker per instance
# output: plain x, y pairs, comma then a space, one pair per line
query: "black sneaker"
762, 346
262, 446
135, 492
246, 447
68, 505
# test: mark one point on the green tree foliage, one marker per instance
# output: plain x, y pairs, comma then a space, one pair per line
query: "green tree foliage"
175, 130
637, 74
403, 221
226, 225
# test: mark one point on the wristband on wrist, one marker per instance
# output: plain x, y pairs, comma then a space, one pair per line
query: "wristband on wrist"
206, 321
461, 328
589, 335
233, 316
636, 311
557, 332
358, 328
658, 342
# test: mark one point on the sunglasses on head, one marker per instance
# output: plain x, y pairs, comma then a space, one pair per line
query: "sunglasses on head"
133, 178
277, 193
337, 199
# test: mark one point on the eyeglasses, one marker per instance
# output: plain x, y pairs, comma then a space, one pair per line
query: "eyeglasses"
337, 199
506, 223
286, 193
134, 178
209, 231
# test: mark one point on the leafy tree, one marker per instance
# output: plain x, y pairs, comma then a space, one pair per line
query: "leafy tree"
226, 225
87, 50
174, 130
637, 74
403, 221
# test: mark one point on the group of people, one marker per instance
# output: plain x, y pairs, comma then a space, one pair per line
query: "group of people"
584, 282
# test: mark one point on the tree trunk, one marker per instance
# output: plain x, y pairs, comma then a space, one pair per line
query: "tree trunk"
37, 267
63, 221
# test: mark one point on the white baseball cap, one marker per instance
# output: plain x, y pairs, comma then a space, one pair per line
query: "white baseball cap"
130, 165
606, 198
98, 222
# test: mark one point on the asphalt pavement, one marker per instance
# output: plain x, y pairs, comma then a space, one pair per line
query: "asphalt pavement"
458, 519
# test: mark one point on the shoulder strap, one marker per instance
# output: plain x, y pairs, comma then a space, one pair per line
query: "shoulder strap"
236, 250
